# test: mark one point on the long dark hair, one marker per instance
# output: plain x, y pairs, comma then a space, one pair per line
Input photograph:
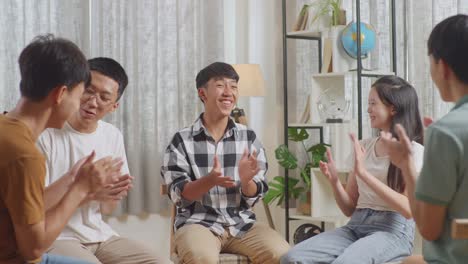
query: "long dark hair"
396, 92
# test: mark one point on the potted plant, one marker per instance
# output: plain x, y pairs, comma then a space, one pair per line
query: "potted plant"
330, 8
288, 160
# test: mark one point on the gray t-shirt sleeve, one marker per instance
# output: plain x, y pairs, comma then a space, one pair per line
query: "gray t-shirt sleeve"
437, 182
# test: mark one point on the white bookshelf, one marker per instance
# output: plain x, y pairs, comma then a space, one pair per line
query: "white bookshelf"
342, 82
306, 125
323, 201
342, 74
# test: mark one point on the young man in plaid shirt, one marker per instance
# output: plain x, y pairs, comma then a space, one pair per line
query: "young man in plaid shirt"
215, 171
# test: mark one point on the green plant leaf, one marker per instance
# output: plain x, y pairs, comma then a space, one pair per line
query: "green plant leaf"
305, 175
272, 195
276, 191
297, 135
318, 153
292, 181
279, 179
319, 148
280, 201
326, 7
285, 158
275, 185
296, 192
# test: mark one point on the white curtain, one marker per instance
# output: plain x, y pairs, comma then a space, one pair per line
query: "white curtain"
161, 44
422, 16
21, 21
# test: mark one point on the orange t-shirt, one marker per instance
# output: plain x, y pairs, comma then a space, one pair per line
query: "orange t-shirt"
22, 175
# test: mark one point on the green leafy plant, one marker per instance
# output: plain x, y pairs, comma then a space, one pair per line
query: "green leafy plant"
288, 160
318, 154
277, 187
327, 7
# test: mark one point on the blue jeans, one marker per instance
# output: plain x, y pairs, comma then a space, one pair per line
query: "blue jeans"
56, 259
369, 237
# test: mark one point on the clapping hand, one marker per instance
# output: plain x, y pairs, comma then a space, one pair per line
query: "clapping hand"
427, 121
248, 167
217, 178
329, 168
92, 177
359, 153
400, 151
115, 191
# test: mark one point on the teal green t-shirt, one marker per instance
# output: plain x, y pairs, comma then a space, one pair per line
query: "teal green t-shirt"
444, 181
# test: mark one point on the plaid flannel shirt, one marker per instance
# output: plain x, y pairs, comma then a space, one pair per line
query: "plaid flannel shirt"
190, 156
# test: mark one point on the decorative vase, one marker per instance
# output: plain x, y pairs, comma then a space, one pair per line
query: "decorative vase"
340, 18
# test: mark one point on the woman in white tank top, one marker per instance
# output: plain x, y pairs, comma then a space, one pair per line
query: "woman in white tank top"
381, 228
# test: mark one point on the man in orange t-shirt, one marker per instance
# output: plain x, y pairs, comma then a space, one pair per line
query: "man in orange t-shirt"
53, 75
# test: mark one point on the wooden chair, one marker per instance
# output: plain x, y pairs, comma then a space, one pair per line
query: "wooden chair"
459, 231
224, 258
460, 228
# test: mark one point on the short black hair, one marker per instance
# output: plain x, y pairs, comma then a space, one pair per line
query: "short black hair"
49, 62
111, 69
449, 41
215, 70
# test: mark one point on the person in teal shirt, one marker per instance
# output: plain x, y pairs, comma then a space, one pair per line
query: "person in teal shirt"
440, 193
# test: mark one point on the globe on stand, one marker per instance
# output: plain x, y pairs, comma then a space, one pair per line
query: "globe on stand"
349, 39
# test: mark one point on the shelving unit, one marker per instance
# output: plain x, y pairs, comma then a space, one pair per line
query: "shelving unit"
304, 34
365, 73
324, 208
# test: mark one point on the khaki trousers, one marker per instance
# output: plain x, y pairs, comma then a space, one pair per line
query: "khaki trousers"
114, 250
196, 244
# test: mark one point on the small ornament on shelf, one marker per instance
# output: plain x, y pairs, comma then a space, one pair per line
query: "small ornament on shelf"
332, 108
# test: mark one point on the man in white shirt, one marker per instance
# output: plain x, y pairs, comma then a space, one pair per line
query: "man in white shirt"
87, 236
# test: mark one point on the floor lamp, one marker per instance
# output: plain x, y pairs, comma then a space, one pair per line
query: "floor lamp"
251, 84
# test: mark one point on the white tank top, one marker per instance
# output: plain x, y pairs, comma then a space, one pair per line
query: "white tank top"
378, 167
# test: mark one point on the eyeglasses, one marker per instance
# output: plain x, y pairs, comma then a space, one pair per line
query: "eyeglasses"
102, 99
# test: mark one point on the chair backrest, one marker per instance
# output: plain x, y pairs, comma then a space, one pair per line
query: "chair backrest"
164, 191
